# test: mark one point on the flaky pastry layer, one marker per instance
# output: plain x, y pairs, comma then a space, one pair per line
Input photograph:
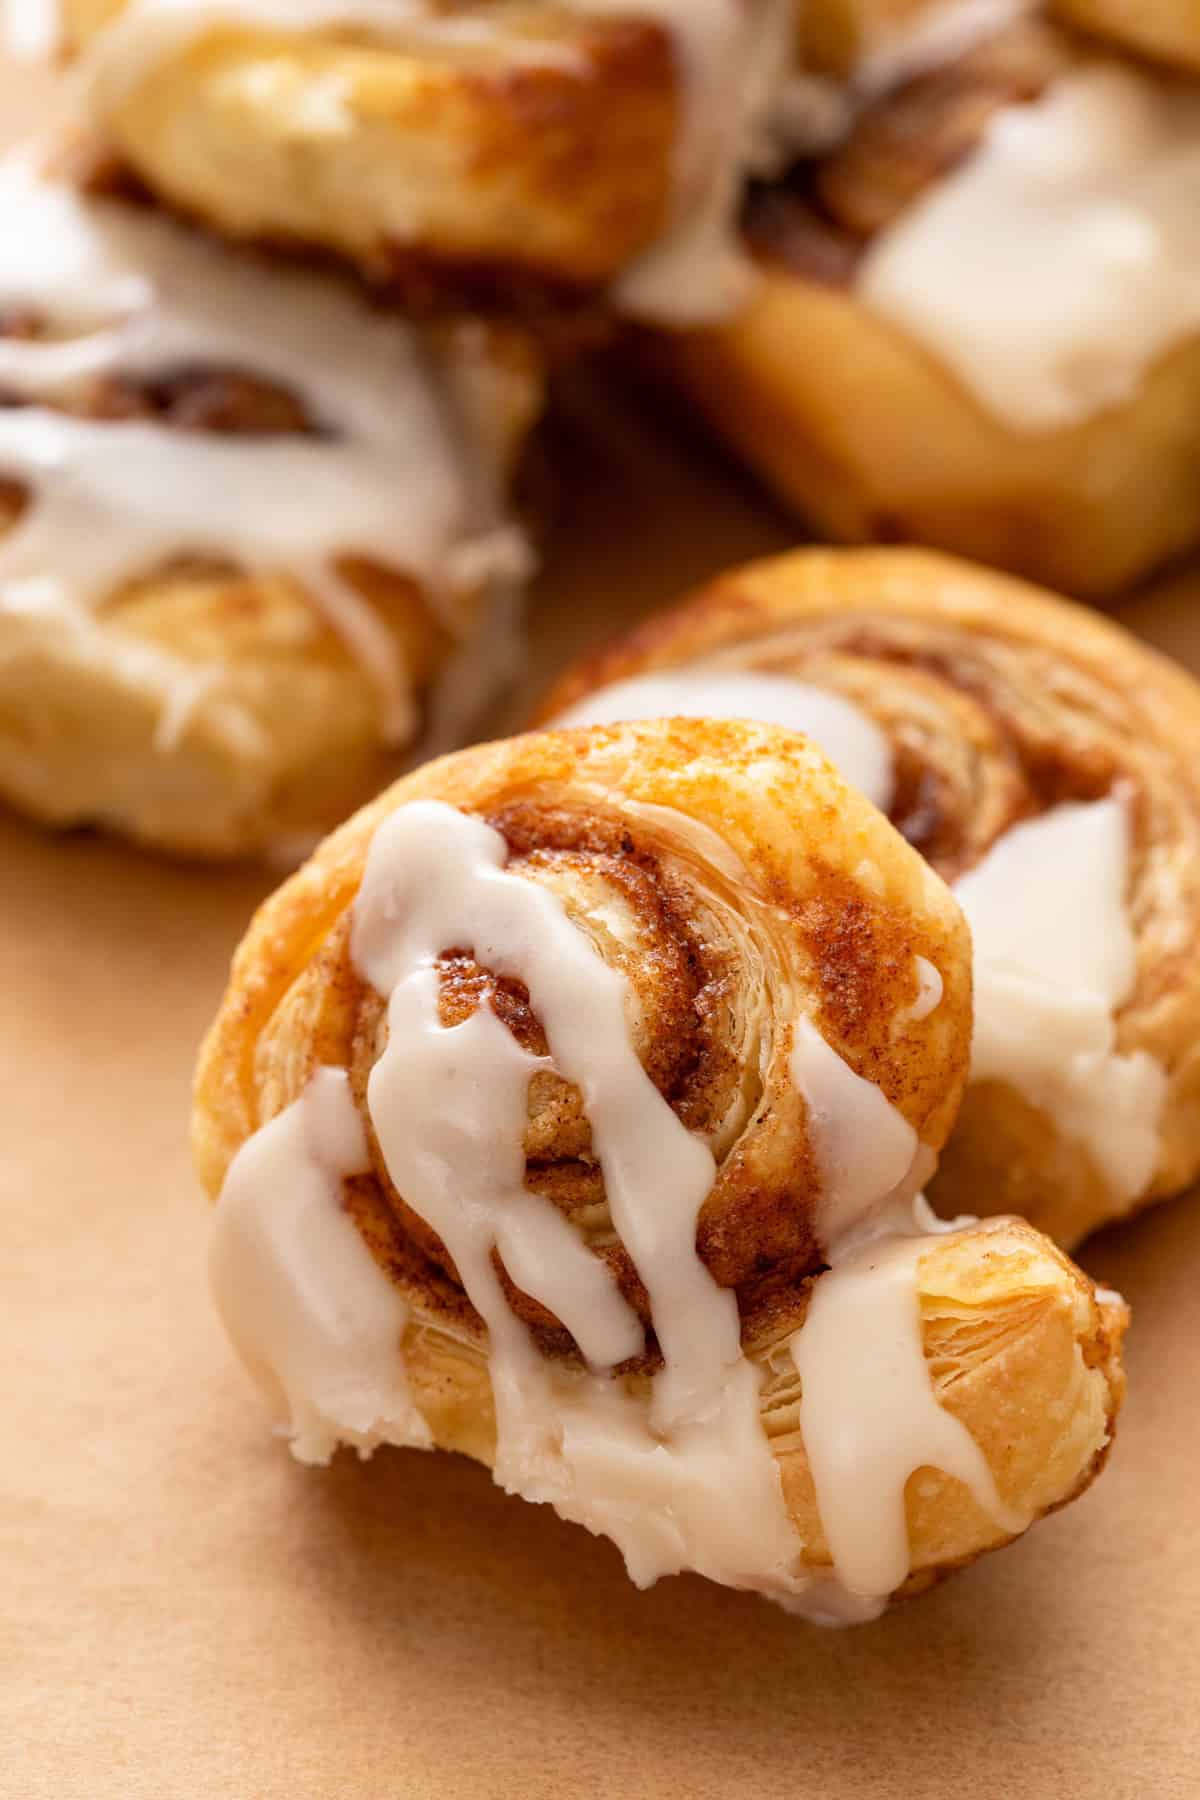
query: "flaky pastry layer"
1020, 1347
210, 712
999, 701
533, 151
715, 822
805, 892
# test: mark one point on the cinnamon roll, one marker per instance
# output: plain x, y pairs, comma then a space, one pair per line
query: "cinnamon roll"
526, 151
1044, 762
977, 324
538, 1103
253, 529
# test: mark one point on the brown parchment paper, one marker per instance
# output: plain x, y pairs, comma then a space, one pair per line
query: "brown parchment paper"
186, 1614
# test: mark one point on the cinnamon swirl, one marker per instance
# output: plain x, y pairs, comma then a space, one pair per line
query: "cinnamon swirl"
538, 1102
249, 522
1044, 762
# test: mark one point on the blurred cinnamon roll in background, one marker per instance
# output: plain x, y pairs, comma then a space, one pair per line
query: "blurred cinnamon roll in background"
540, 1100
978, 317
963, 303
527, 151
254, 530
1045, 764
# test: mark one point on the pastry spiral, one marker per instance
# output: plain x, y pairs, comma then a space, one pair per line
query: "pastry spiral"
999, 705
424, 1016
526, 152
945, 346
249, 523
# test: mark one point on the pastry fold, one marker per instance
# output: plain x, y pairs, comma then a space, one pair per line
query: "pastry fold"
866, 430
747, 897
249, 526
1002, 705
1021, 1348
522, 149
732, 887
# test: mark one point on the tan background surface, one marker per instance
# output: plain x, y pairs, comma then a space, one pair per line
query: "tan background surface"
184, 1613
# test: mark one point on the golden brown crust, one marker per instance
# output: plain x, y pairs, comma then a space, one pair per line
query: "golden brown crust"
1025, 1352
869, 438
531, 155
810, 901
999, 701
867, 434
284, 731
213, 713
1019, 1345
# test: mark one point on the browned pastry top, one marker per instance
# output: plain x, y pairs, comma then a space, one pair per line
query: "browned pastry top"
805, 900
998, 702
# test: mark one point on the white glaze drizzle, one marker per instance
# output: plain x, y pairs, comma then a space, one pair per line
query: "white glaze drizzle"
121, 292
687, 1480
867, 1152
851, 740
1052, 268
869, 1412
312, 1315
870, 1415
736, 57
733, 58
1054, 953
30, 29
1055, 957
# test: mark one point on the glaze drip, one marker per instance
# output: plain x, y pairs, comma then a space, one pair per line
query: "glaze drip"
386, 473
1055, 959
311, 1314
870, 1414
1062, 258
685, 1480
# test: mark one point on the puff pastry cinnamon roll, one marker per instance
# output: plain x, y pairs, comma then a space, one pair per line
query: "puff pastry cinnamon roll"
253, 529
539, 1101
1045, 763
978, 324
530, 150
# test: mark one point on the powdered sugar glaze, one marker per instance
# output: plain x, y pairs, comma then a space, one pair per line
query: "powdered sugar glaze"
385, 471
732, 56
677, 1470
